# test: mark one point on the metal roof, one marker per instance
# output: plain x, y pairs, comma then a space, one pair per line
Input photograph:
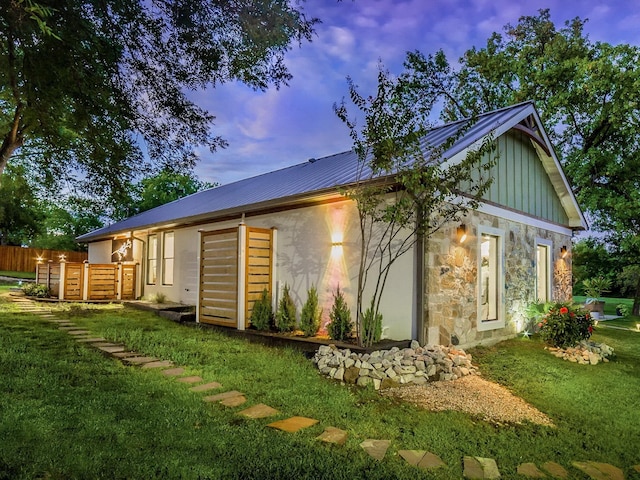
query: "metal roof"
306, 179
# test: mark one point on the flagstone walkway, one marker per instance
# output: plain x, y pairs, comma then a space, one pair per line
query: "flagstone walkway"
473, 467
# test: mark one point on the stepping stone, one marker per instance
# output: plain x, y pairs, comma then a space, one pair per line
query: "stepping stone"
258, 411
480, 468
140, 360
293, 424
159, 364
333, 435
599, 471
192, 379
204, 387
422, 459
555, 470
376, 448
127, 355
59, 321
114, 349
67, 326
172, 372
530, 470
222, 396
105, 344
78, 332
234, 401
91, 340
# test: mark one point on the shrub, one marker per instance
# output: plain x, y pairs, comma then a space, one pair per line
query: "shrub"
341, 325
565, 325
596, 286
371, 327
262, 314
311, 314
38, 290
158, 298
286, 314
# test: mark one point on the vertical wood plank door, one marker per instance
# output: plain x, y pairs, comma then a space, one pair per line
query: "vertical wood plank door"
219, 278
259, 262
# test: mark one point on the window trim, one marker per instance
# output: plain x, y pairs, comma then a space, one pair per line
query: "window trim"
165, 257
548, 244
500, 321
150, 258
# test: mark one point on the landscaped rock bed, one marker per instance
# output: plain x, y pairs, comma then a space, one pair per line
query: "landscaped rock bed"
585, 353
390, 368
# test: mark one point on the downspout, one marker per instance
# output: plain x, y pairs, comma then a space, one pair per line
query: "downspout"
143, 264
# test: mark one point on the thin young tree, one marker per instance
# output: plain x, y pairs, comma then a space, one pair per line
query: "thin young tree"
405, 189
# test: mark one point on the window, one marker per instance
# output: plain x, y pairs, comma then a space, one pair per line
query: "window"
543, 270
490, 281
152, 259
167, 258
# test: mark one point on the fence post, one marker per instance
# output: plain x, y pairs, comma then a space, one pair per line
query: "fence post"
119, 272
63, 280
49, 274
242, 273
85, 282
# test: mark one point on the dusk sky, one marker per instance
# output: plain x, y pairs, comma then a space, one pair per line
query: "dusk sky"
277, 128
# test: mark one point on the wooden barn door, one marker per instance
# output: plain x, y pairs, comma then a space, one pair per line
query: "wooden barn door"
259, 259
219, 278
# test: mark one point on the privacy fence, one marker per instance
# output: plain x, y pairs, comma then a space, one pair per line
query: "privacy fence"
19, 259
89, 281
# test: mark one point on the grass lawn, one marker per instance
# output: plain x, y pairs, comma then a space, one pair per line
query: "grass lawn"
25, 275
67, 411
610, 303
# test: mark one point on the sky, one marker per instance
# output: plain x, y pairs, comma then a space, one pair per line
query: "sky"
274, 129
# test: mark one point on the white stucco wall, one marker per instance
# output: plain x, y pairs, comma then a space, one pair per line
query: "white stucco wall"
305, 256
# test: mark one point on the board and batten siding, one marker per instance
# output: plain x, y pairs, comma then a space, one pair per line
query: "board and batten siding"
520, 181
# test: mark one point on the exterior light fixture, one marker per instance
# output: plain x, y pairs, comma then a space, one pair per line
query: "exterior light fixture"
563, 251
39, 259
336, 239
638, 326
461, 233
62, 257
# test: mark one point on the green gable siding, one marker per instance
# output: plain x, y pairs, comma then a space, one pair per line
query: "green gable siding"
520, 181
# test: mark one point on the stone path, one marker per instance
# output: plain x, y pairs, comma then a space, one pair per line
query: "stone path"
473, 467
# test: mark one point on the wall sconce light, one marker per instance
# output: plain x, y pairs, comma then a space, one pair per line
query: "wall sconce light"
336, 239
62, 257
39, 259
461, 233
563, 251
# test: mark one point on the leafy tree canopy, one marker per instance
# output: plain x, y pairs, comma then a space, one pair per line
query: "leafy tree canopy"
587, 94
94, 89
20, 211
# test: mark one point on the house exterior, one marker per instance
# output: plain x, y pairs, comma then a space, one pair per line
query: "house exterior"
218, 249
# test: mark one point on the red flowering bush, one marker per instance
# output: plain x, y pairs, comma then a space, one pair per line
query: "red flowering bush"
565, 325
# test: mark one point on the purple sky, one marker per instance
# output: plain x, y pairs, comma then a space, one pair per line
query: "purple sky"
274, 129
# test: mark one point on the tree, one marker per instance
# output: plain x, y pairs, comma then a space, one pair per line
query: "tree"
63, 223
96, 88
591, 259
20, 211
155, 190
405, 187
587, 94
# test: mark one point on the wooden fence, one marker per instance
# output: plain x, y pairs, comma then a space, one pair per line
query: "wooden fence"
89, 281
19, 259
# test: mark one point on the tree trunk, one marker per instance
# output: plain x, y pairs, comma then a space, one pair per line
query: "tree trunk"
12, 140
636, 299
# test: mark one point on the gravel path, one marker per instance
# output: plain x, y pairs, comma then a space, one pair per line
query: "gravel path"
474, 395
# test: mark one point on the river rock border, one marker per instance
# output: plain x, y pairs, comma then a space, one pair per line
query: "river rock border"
390, 368
585, 353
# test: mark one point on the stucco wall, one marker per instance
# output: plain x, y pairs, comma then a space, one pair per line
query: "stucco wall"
451, 279
305, 256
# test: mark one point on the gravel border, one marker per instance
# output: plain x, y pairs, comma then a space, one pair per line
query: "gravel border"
474, 395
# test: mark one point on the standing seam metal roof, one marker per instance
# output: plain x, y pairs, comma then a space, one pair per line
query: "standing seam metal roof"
306, 178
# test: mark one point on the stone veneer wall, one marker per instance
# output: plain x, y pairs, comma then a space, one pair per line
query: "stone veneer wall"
451, 279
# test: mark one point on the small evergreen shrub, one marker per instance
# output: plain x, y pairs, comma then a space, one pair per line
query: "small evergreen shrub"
371, 327
159, 298
565, 325
286, 314
38, 290
341, 325
262, 314
311, 314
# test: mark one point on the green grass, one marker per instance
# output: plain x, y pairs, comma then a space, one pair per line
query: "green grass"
610, 303
25, 275
67, 411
